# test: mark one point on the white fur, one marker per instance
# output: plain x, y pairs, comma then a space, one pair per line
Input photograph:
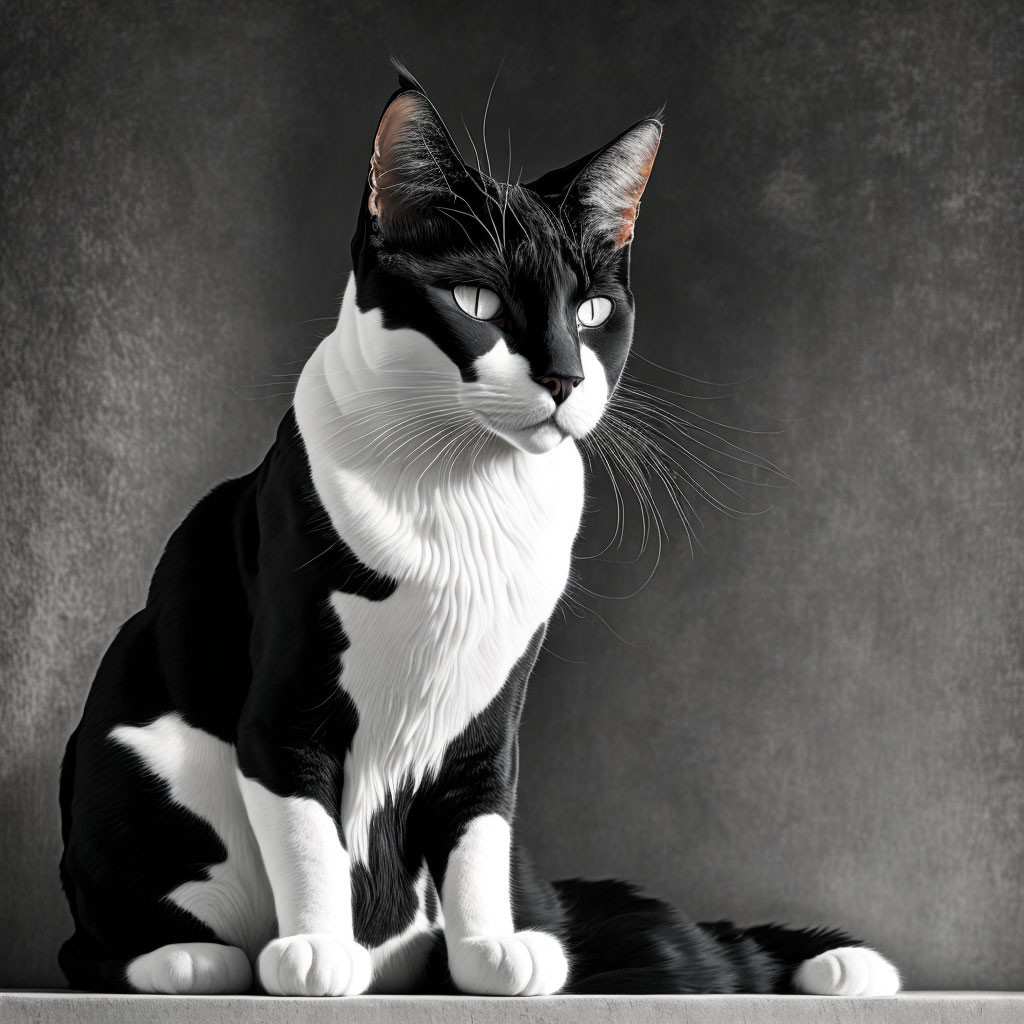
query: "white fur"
199, 769
314, 965
475, 896
507, 398
311, 875
510, 402
191, 968
579, 413
485, 953
479, 546
848, 971
309, 869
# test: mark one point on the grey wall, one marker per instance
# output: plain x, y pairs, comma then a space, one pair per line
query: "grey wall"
817, 717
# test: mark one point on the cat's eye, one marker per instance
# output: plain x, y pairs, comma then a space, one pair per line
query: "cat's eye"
479, 303
594, 312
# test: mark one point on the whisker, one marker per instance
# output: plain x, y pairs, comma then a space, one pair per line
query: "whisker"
487, 107
686, 376
472, 142
641, 426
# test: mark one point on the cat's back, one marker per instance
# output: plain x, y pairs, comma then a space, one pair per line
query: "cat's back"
185, 650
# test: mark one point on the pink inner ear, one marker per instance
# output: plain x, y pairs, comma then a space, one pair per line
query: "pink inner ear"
628, 214
396, 118
372, 204
625, 233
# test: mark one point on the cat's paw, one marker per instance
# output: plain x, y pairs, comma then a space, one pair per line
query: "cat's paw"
314, 965
191, 968
848, 971
524, 964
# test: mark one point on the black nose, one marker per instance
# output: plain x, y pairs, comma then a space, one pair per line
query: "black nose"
560, 387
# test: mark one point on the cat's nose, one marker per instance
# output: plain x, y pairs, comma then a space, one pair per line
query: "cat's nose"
560, 387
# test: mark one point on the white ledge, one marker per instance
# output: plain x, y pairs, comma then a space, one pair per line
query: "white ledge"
42, 1007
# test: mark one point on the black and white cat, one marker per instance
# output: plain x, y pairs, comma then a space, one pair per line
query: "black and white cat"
302, 753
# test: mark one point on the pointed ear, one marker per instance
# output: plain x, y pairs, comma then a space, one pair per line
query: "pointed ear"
414, 162
608, 188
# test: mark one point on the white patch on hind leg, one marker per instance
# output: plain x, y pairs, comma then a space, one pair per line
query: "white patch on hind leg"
234, 898
848, 971
191, 968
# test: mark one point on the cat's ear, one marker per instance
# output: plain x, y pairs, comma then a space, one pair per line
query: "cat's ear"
606, 190
414, 163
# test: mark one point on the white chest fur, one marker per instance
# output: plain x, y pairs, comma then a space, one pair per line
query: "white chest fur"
480, 552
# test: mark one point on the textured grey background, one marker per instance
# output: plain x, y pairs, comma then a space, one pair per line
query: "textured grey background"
816, 718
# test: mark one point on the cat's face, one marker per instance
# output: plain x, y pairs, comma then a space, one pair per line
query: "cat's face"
520, 292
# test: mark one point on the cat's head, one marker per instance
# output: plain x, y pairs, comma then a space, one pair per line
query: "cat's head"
524, 289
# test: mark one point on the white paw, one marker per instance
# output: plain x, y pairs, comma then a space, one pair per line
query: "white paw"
848, 971
191, 968
524, 964
314, 965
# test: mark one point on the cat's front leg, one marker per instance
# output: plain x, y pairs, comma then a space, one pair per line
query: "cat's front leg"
292, 796
486, 955
470, 855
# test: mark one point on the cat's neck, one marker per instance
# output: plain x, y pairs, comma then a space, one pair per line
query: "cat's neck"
410, 480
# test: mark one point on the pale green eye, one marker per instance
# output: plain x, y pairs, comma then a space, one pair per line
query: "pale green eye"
594, 312
479, 303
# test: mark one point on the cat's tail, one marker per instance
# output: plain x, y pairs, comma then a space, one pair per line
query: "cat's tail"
814, 961
621, 941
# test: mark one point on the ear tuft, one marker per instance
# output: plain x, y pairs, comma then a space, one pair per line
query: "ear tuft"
610, 186
406, 79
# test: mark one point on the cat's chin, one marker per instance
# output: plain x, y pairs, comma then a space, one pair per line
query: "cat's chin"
535, 440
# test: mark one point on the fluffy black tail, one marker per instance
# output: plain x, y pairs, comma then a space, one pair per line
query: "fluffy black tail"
620, 941
787, 948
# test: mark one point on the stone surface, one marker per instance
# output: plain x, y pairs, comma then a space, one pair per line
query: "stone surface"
816, 718
909, 1008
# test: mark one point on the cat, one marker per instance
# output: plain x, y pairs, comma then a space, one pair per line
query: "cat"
297, 765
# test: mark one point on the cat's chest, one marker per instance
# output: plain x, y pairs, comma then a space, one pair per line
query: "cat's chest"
479, 568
